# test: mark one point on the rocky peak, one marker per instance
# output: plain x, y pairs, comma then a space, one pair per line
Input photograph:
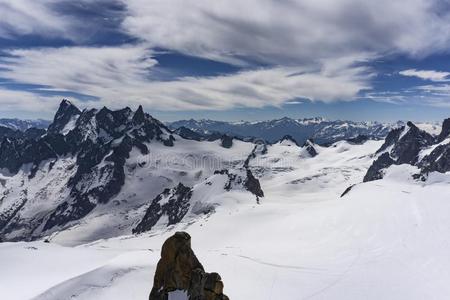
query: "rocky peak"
445, 132
226, 141
139, 115
309, 147
402, 146
65, 113
287, 140
409, 144
180, 275
174, 203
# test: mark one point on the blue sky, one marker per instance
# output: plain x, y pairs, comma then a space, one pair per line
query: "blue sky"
228, 59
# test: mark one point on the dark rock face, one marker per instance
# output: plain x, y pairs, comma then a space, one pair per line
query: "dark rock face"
391, 139
8, 132
180, 270
259, 149
403, 145
252, 185
175, 207
309, 147
407, 148
226, 141
34, 133
174, 203
288, 138
188, 134
445, 132
358, 140
375, 170
250, 182
65, 112
30, 133
347, 190
437, 161
101, 141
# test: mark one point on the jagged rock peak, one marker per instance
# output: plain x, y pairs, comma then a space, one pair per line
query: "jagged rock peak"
226, 141
174, 203
445, 132
309, 147
288, 138
139, 115
65, 113
403, 146
180, 275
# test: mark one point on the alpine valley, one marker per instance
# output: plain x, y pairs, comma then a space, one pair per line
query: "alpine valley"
282, 209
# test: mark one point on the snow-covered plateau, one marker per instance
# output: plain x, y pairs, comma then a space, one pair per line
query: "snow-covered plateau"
276, 221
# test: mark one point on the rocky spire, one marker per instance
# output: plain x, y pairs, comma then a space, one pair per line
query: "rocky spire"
445, 132
64, 114
309, 147
179, 274
139, 115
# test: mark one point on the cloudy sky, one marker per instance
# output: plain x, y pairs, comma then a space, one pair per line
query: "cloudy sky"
228, 59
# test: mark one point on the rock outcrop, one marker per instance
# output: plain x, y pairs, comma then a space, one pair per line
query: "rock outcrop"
358, 140
413, 146
309, 147
226, 141
179, 272
445, 132
402, 146
175, 205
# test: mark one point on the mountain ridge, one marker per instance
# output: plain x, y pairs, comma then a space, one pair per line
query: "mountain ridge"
321, 130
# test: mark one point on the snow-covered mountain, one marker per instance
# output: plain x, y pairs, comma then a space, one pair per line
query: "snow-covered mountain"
22, 125
411, 145
320, 130
105, 167
92, 200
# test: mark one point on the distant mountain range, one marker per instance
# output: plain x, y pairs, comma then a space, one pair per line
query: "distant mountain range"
22, 125
104, 173
322, 131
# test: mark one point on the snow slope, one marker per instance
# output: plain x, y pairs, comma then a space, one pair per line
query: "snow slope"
190, 162
385, 239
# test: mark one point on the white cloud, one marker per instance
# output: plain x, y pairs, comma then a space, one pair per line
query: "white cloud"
311, 49
427, 74
120, 76
437, 95
23, 17
291, 32
27, 103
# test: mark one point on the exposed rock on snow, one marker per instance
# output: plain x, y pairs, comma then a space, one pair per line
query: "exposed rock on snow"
309, 147
358, 140
179, 271
173, 203
66, 113
445, 132
180, 202
92, 146
226, 141
416, 147
402, 146
287, 140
